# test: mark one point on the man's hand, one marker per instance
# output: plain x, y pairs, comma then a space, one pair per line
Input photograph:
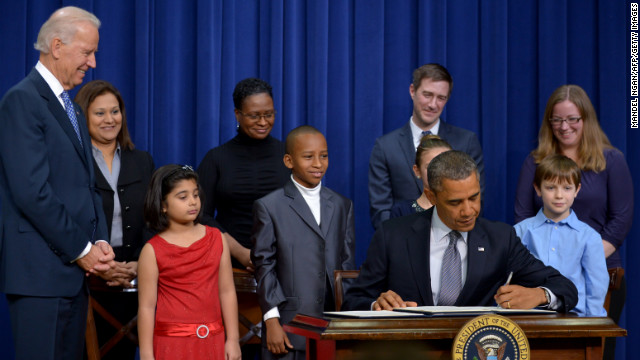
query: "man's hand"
519, 297
99, 259
121, 274
389, 300
277, 340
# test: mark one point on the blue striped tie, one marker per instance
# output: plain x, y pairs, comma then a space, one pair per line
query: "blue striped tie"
451, 274
71, 112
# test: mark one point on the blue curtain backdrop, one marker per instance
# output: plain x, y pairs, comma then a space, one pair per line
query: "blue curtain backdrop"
345, 67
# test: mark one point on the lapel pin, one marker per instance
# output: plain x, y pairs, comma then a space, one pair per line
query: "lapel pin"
480, 248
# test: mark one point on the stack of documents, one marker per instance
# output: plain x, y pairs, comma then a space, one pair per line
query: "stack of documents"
430, 311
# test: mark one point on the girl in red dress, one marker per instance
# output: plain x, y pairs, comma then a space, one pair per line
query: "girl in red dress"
185, 283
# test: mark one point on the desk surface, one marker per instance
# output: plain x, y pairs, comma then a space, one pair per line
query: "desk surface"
534, 326
555, 336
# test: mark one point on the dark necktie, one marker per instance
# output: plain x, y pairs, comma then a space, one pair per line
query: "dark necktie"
451, 273
72, 114
425, 133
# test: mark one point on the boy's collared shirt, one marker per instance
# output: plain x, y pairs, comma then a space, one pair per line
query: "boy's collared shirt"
311, 197
573, 248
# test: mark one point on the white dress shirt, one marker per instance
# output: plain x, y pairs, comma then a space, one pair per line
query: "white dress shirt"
416, 132
438, 243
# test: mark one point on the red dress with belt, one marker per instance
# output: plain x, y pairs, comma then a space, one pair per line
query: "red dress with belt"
188, 321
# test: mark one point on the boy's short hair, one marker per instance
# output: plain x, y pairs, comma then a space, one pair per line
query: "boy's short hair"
293, 135
557, 168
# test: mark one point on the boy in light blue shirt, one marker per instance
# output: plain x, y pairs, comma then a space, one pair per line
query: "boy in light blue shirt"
559, 239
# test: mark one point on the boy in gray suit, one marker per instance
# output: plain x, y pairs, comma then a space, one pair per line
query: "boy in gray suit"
301, 234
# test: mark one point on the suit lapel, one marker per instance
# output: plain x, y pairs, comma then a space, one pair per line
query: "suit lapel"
477, 252
61, 116
101, 181
326, 211
300, 206
418, 245
128, 172
409, 153
444, 131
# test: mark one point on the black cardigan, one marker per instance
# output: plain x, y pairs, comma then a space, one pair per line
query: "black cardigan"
136, 167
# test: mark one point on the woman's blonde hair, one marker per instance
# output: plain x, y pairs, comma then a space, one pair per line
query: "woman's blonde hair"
593, 142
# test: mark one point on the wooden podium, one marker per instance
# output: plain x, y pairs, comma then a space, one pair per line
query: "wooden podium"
556, 336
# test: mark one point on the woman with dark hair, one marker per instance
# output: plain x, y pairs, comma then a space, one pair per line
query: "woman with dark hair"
570, 127
122, 177
244, 169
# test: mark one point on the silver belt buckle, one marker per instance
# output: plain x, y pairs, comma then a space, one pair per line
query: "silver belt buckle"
198, 331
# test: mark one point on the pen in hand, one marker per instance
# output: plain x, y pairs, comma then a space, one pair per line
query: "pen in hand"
508, 279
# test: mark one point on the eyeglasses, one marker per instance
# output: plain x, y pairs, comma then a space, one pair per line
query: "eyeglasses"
557, 122
256, 117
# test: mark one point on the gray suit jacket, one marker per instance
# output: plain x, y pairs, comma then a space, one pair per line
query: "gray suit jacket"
391, 177
294, 257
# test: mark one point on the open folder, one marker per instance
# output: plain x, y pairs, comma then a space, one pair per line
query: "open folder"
430, 311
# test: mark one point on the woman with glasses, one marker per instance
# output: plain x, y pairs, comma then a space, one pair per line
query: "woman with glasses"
244, 169
605, 201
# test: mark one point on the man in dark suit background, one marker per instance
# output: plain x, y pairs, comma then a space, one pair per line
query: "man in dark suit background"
391, 176
407, 262
51, 213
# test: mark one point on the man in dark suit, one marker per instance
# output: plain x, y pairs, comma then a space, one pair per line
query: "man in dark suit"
416, 260
52, 215
391, 176
302, 233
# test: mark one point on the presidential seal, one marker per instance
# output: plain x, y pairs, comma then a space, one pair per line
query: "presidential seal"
490, 337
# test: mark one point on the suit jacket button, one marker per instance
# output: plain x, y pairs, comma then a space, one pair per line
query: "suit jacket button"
121, 190
127, 245
126, 208
319, 300
127, 227
320, 274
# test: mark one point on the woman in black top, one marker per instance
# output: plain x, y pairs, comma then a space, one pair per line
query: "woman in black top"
244, 169
122, 177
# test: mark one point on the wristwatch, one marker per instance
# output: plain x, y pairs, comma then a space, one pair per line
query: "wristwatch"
547, 296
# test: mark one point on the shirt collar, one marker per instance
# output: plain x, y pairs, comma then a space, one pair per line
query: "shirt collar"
572, 220
97, 151
440, 231
305, 190
50, 79
416, 132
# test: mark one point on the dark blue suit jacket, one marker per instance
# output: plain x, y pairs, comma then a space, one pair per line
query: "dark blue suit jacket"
391, 176
398, 260
50, 207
